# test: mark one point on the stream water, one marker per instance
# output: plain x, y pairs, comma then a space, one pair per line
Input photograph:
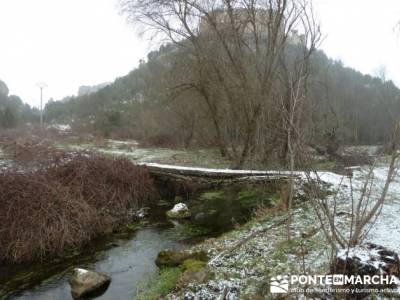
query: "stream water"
129, 257
129, 264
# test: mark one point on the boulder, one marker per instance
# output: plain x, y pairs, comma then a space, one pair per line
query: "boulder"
180, 211
85, 283
368, 259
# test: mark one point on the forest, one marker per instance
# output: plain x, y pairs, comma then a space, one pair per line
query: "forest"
155, 105
13, 111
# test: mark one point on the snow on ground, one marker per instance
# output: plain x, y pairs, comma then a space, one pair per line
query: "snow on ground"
368, 149
244, 260
386, 230
243, 269
5, 164
246, 267
209, 170
124, 142
60, 127
365, 255
131, 150
141, 154
127, 148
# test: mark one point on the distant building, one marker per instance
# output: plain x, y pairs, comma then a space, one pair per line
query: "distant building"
296, 39
221, 20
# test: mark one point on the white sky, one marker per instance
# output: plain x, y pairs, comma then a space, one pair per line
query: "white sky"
68, 43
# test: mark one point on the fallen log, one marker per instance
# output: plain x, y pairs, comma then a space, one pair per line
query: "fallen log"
178, 180
180, 171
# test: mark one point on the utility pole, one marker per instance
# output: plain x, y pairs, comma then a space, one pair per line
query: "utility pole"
41, 86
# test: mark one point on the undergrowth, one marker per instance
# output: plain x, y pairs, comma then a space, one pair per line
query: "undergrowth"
161, 285
43, 213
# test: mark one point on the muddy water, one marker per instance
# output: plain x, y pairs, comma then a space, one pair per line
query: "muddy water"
129, 258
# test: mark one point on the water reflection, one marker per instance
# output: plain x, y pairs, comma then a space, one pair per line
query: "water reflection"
128, 264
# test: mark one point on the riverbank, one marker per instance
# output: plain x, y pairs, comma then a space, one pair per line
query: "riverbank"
243, 261
213, 213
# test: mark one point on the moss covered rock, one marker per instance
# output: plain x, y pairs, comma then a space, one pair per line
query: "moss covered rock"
170, 258
85, 283
193, 265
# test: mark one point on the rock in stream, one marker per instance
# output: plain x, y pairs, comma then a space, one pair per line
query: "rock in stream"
85, 283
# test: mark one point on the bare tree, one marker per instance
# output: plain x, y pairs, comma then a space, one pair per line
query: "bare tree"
234, 48
295, 72
365, 208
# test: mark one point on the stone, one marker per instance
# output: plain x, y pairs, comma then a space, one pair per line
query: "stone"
309, 232
180, 211
142, 213
85, 283
343, 213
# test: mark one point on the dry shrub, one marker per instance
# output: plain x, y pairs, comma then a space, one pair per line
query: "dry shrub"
46, 212
110, 185
355, 159
31, 152
100, 142
263, 211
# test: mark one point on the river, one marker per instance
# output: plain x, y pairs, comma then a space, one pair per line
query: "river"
129, 257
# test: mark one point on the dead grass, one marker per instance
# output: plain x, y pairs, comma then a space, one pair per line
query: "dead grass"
44, 213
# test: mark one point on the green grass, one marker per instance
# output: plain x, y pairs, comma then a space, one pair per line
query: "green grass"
193, 265
249, 197
283, 248
187, 231
161, 285
212, 195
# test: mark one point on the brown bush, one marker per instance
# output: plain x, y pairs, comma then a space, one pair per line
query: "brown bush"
33, 152
46, 212
107, 184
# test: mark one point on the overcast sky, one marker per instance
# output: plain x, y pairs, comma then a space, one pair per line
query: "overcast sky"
68, 43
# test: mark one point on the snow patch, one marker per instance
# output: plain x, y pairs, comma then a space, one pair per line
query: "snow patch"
81, 271
366, 256
60, 127
179, 207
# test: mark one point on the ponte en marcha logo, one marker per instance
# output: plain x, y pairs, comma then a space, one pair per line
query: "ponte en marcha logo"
283, 284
